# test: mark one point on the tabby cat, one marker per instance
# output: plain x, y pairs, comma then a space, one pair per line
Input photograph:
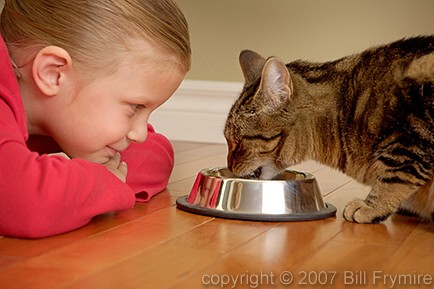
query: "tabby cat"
369, 115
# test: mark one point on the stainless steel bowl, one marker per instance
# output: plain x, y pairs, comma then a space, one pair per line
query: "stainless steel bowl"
291, 196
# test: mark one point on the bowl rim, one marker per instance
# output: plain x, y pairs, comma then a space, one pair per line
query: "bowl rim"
327, 212
308, 177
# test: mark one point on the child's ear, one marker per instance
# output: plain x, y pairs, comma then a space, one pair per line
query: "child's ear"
50, 67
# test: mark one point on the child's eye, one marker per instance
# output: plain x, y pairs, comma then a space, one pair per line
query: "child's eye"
137, 107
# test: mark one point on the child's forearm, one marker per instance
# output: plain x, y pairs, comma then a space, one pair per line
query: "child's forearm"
47, 195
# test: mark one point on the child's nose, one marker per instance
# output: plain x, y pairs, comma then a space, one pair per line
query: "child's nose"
138, 132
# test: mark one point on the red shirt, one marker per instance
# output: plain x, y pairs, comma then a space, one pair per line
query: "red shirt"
42, 195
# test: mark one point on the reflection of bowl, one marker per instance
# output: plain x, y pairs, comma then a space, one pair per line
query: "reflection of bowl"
291, 196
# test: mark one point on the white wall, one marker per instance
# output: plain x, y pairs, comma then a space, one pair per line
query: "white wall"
197, 111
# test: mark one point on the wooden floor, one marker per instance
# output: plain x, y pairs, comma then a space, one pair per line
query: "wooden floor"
158, 246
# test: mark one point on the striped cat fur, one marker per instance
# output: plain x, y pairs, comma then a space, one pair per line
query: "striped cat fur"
369, 115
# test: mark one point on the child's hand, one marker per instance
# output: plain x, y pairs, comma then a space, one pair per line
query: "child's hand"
117, 167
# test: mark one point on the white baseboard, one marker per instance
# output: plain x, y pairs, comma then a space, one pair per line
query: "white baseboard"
197, 111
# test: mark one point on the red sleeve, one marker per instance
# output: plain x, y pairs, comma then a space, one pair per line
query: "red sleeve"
149, 165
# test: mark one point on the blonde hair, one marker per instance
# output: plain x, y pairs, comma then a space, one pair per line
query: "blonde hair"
93, 31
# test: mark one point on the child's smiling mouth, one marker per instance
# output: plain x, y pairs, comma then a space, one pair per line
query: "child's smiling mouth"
111, 151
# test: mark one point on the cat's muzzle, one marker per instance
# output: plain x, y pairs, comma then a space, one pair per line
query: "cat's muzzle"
255, 175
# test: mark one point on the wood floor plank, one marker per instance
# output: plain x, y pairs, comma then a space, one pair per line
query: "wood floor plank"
9, 260
344, 262
15, 247
156, 268
91, 255
392, 232
220, 235
31, 248
342, 195
415, 255
284, 246
182, 187
291, 242
329, 180
189, 169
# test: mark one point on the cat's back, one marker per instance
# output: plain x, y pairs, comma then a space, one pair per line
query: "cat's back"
406, 48
421, 66
387, 99
374, 70
405, 58
379, 97
403, 69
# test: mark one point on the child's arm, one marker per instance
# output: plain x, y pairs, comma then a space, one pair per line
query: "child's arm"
42, 195
149, 165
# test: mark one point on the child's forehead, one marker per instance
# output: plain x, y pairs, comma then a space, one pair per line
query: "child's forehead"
152, 51
146, 63
136, 56
154, 63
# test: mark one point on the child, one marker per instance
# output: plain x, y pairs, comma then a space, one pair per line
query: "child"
78, 81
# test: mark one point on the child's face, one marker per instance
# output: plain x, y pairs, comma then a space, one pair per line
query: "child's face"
105, 116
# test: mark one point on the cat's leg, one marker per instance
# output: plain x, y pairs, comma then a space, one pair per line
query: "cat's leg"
396, 174
383, 200
421, 203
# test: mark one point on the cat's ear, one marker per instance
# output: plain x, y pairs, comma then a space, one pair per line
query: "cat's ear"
276, 84
251, 64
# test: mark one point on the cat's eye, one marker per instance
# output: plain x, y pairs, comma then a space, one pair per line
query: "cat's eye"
266, 144
264, 138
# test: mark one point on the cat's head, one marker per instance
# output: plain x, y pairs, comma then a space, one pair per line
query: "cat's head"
259, 122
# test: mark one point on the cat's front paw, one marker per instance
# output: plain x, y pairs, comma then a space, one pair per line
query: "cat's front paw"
360, 212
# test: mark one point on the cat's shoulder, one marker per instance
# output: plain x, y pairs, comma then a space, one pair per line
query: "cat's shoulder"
410, 48
422, 65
